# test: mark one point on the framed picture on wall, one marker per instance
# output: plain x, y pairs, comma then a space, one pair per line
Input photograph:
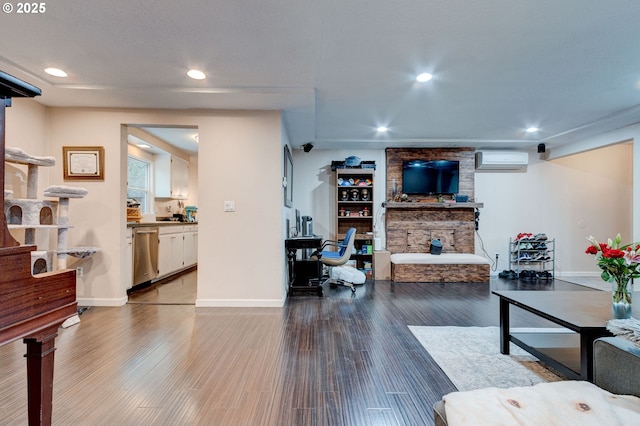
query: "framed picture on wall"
287, 180
83, 162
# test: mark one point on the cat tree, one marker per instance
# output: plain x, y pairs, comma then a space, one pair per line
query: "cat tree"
32, 214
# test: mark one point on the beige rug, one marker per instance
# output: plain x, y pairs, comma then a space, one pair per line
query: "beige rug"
471, 358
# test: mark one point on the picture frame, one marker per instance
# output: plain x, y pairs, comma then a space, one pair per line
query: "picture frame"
287, 180
83, 162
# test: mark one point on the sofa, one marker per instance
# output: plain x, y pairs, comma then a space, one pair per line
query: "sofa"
610, 353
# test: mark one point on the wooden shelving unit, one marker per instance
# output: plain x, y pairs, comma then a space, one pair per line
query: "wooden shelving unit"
355, 209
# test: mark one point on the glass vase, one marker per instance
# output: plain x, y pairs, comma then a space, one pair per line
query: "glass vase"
621, 291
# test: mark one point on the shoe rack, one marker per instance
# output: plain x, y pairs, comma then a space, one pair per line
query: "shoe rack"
532, 256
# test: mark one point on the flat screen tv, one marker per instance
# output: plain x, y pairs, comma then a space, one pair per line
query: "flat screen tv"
430, 177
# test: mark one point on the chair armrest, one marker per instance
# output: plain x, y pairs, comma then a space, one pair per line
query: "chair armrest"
616, 365
317, 253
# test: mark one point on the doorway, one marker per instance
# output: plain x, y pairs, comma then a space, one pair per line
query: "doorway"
167, 193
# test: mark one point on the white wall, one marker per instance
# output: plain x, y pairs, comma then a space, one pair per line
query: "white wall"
26, 128
314, 186
240, 254
239, 150
568, 199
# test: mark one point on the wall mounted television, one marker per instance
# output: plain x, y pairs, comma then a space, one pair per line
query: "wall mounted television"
429, 177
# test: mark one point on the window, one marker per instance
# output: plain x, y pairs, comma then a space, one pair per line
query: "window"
139, 182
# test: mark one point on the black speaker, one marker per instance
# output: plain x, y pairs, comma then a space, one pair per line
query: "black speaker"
541, 148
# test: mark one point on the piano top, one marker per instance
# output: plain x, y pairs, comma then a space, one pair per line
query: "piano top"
13, 87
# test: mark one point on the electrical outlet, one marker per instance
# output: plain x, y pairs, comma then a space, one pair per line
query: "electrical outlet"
497, 255
79, 272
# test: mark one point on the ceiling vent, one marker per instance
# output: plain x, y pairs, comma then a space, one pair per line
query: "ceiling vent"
501, 160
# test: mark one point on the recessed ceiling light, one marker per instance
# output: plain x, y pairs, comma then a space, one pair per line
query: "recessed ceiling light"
143, 145
382, 129
531, 129
424, 77
56, 72
196, 74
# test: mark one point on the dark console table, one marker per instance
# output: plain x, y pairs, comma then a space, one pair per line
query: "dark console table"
292, 245
584, 312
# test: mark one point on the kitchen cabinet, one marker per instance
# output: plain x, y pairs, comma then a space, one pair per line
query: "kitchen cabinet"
171, 177
129, 258
177, 248
190, 245
170, 250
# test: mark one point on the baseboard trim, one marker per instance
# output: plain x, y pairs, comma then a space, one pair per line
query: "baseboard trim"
101, 302
240, 303
589, 274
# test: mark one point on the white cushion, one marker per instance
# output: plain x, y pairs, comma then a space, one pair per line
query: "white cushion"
444, 258
557, 403
348, 274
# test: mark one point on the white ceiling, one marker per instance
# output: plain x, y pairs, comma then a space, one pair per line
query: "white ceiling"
339, 68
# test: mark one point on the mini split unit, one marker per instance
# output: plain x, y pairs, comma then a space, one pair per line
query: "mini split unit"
501, 160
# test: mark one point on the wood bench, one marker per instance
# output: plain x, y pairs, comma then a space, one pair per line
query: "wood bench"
446, 267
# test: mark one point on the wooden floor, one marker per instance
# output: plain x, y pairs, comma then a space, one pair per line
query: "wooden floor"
336, 360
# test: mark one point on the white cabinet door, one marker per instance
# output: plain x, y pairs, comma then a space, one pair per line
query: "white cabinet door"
170, 250
179, 178
129, 261
165, 250
177, 251
190, 248
171, 177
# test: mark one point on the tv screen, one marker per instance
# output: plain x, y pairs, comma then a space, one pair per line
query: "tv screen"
430, 177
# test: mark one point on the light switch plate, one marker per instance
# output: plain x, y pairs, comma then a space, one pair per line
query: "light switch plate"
229, 206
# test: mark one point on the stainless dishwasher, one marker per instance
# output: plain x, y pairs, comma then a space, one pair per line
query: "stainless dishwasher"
145, 254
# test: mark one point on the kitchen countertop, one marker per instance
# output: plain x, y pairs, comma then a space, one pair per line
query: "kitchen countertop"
158, 223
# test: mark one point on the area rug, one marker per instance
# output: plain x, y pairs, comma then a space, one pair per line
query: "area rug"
471, 358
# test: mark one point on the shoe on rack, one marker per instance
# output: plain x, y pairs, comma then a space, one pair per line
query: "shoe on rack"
525, 257
540, 237
539, 246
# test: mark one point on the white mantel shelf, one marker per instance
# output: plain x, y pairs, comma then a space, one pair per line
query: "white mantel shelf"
413, 205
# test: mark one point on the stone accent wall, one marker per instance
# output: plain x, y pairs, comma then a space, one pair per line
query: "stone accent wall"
465, 156
410, 226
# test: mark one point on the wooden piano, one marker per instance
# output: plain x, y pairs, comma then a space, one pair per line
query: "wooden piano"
31, 307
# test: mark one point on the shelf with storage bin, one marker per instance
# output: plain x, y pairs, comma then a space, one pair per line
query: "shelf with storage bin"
532, 258
355, 209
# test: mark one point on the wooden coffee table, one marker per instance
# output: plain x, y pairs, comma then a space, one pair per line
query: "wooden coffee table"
585, 313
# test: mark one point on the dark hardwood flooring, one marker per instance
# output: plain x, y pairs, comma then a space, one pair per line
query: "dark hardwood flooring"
341, 359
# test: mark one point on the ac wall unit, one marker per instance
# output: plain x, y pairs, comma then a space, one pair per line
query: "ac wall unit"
501, 160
